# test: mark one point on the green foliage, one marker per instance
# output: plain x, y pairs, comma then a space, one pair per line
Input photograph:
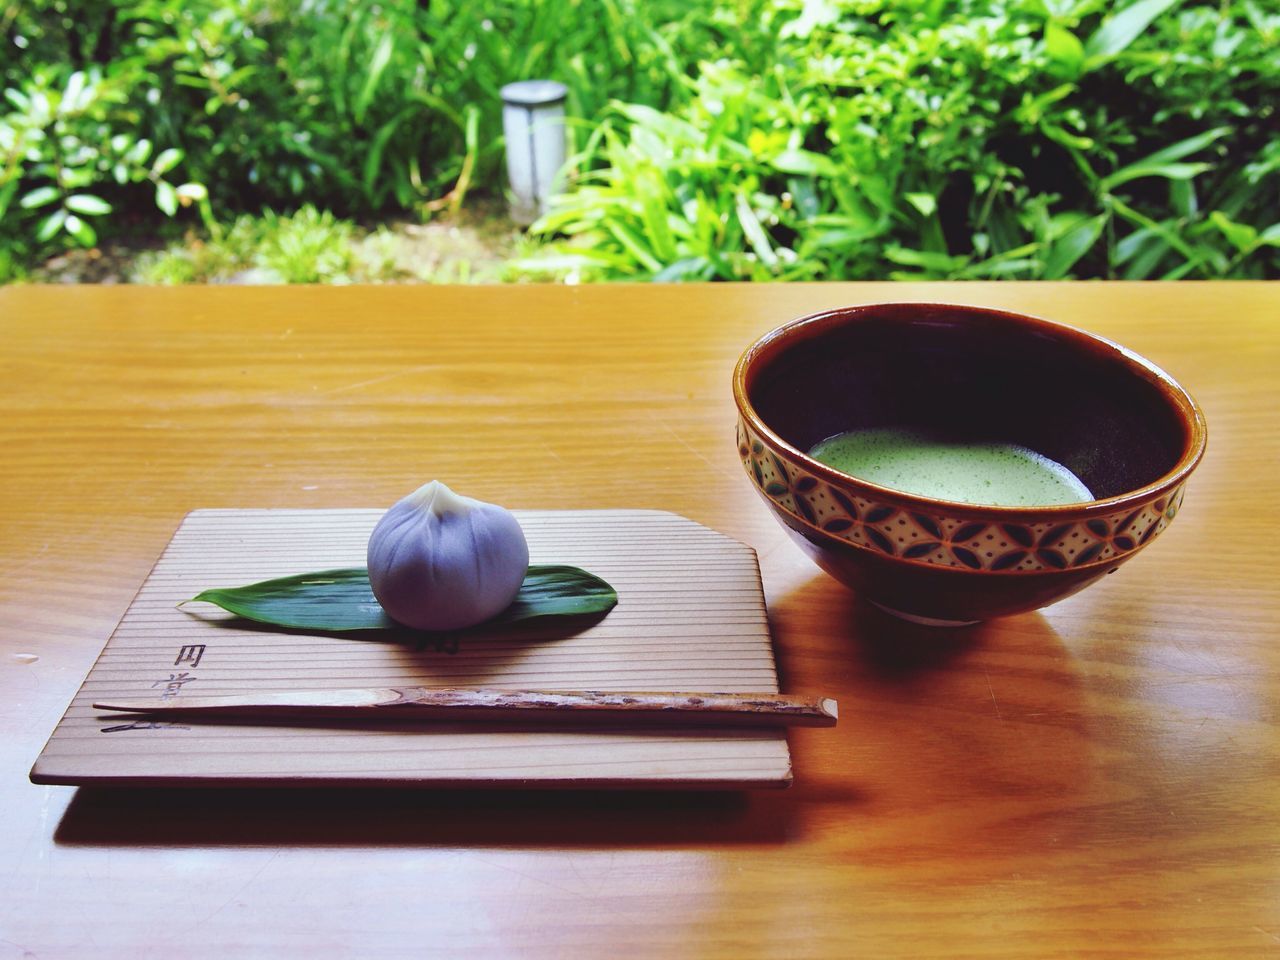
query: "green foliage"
995, 138
70, 145
371, 106
762, 139
342, 600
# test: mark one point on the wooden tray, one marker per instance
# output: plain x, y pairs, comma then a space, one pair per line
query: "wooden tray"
690, 616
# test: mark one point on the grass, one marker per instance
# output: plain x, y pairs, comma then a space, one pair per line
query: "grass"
313, 246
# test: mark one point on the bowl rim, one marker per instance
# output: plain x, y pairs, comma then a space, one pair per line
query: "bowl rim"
1178, 396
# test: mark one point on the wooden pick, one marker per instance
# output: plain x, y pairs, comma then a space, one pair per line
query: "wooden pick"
541, 706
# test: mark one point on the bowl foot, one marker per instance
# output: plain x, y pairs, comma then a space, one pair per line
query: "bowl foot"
923, 621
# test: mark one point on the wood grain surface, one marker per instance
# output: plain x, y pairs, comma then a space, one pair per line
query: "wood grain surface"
1099, 779
690, 616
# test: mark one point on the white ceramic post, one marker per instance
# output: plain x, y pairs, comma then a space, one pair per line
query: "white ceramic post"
533, 124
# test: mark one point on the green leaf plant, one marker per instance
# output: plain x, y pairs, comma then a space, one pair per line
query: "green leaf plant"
70, 158
709, 139
1006, 138
343, 600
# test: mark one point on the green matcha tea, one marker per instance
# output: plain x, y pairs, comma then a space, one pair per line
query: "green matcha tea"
1004, 474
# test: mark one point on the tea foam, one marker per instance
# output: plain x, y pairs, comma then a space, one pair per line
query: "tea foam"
1003, 474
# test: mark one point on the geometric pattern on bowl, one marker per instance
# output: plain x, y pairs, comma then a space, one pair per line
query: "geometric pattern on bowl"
929, 537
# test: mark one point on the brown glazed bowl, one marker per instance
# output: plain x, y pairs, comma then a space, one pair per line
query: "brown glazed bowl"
1119, 423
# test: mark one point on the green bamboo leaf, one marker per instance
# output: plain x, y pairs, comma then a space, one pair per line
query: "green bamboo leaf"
929, 260
1168, 231
1136, 171
653, 211
1121, 29
1184, 148
1161, 163
1182, 198
1072, 245
1071, 141
690, 268
558, 590
373, 159
1214, 260
634, 245
1133, 244
754, 232
835, 231
1146, 258
343, 600
1019, 261
377, 64
674, 129
1240, 235
805, 163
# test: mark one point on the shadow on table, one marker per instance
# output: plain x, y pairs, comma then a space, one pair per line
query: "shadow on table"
337, 817
985, 733
857, 642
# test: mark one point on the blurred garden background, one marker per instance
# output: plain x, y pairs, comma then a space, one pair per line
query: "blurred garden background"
189, 141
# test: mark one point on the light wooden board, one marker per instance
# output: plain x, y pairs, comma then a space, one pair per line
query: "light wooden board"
690, 616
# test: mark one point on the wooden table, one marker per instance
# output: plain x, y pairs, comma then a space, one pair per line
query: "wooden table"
1100, 779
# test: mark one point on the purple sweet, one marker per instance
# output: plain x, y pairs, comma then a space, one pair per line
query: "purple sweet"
440, 561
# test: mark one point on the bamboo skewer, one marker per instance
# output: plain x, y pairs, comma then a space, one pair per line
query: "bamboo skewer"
554, 707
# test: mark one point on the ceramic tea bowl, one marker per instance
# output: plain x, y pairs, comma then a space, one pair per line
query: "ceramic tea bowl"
1119, 423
